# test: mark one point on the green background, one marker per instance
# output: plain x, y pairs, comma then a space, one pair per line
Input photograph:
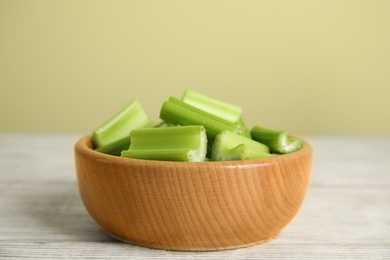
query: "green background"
309, 67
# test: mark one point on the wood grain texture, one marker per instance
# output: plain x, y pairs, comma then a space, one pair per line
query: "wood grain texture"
345, 214
192, 206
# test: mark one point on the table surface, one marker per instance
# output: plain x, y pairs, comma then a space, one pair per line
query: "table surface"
345, 215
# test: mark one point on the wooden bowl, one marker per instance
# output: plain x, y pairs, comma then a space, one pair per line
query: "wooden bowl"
192, 206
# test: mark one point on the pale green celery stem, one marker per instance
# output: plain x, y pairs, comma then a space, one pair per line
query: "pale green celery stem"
224, 110
116, 147
119, 126
244, 129
278, 141
181, 143
177, 112
219, 108
180, 155
230, 146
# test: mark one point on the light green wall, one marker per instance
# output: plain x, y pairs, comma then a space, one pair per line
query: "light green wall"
310, 67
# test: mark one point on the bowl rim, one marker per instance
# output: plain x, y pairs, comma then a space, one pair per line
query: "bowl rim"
84, 146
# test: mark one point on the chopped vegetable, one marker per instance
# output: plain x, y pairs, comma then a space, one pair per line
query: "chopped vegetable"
176, 111
277, 141
243, 128
221, 109
119, 126
116, 147
196, 128
180, 143
230, 146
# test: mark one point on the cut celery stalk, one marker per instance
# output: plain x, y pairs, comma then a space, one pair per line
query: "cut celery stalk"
119, 126
180, 143
278, 141
176, 111
243, 128
224, 110
230, 146
219, 108
116, 147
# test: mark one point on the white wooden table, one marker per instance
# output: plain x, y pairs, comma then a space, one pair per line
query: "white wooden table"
346, 214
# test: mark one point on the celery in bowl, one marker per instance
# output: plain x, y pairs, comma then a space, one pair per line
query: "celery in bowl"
193, 195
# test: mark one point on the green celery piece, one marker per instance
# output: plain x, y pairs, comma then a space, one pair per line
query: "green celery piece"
119, 126
230, 146
219, 108
116, 147
224, 110
180, 143
244, 129
278, 141
176, 111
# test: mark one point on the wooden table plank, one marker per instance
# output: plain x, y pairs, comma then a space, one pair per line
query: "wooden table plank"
345, 215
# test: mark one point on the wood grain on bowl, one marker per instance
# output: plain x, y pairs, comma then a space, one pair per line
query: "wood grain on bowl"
192, 206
